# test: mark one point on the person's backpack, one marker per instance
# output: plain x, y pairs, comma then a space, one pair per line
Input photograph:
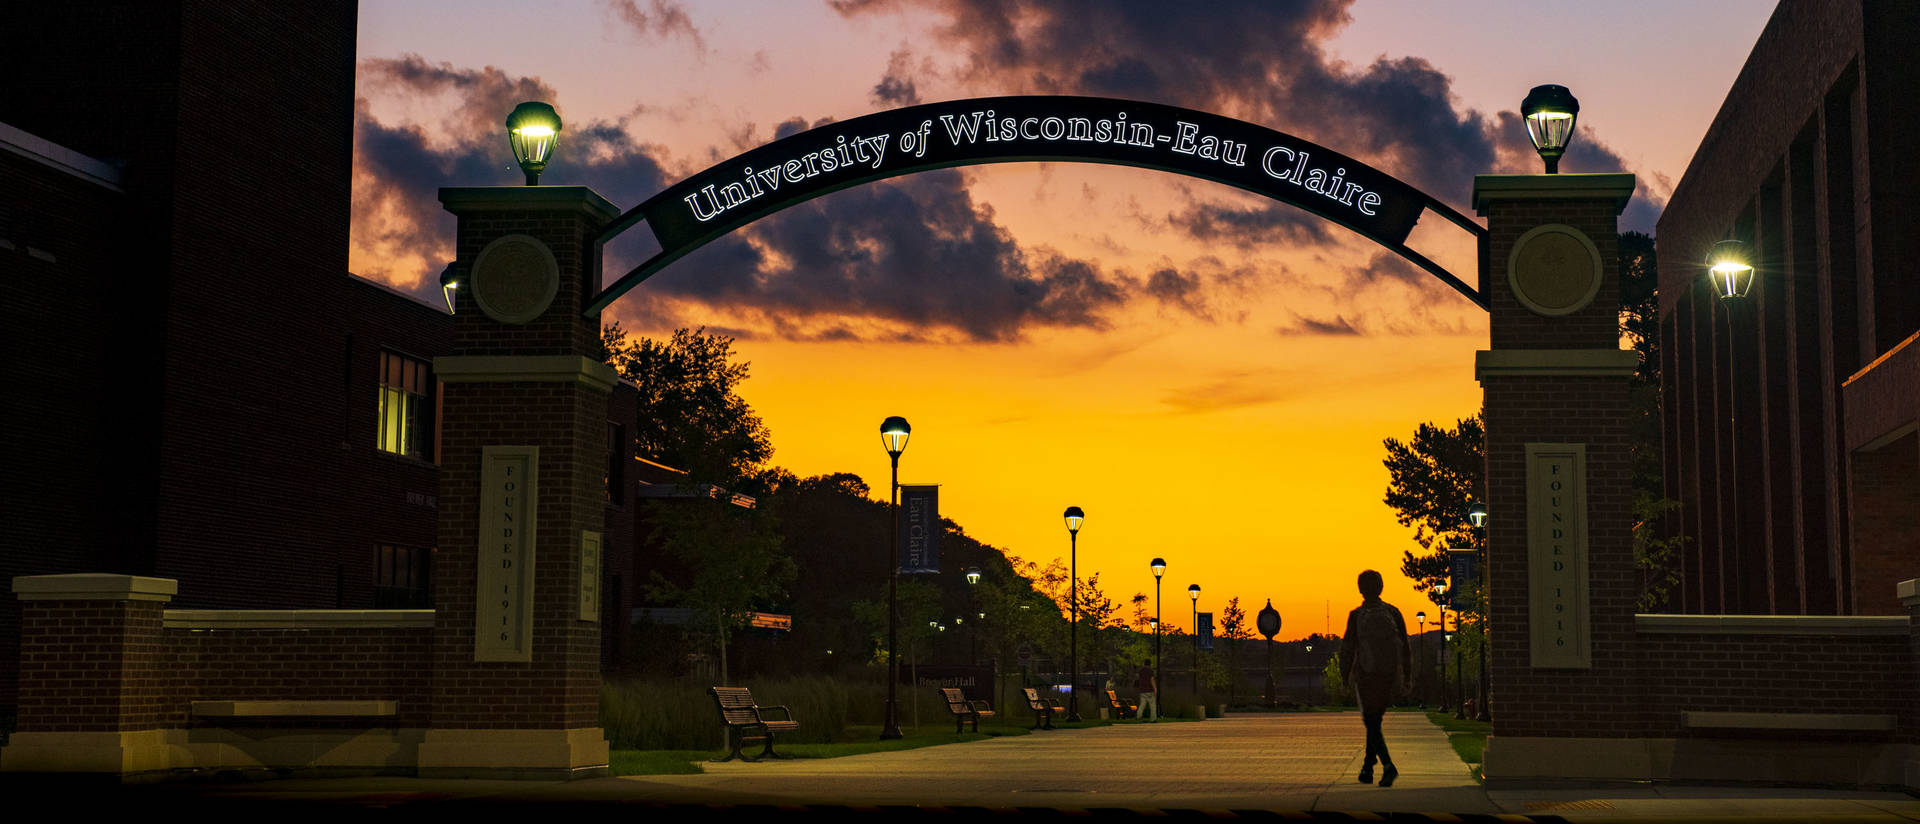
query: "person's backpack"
1377, 642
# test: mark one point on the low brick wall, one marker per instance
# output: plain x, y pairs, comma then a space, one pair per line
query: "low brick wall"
295, 655
1829, 665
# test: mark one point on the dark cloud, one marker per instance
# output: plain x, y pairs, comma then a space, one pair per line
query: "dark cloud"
913, 253
661, 20
896, 87
1252, 225
1384, 267
1231, 391
398, 170
1302, 325
1257, 60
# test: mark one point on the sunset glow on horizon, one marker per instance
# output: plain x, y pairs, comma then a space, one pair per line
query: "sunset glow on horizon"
1207, 373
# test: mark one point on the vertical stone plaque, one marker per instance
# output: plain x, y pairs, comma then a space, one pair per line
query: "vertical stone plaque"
1557, 555
503, 614
589, 575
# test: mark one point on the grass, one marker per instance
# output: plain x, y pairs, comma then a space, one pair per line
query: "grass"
1468, 737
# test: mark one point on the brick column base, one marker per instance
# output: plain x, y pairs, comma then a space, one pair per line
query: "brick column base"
1909, 594
89, 673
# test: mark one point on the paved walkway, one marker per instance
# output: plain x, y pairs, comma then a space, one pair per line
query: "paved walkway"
1287, 762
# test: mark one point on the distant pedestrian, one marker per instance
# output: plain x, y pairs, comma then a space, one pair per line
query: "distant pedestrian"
1149, 692
1375, 658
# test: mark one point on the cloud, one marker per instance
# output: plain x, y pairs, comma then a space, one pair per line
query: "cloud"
661, 20
1302, 325
1231, 391
400, 233
896, 87
1255, 60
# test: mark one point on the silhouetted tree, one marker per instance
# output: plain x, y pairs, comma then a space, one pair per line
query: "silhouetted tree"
1431, 481
690, 413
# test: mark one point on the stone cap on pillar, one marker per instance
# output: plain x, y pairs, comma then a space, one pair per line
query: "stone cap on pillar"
468, 199
1908, 592
94, 586
1617, 186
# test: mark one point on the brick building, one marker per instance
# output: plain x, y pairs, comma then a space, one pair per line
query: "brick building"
1790, 414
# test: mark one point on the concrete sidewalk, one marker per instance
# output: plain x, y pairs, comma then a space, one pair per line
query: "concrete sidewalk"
1302, 763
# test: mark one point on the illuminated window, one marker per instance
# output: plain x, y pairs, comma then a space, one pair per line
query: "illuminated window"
403, 406
400, 577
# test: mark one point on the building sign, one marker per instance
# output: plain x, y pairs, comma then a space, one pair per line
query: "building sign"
973, 682
1557, 555
1029, 128
919, 528
589, 576
503, 608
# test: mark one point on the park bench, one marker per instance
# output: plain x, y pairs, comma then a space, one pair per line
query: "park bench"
964, 710
1121, 709
1043, 710
747, 721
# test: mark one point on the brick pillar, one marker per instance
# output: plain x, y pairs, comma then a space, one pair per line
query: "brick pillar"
90, 669
1561, 579
516, 663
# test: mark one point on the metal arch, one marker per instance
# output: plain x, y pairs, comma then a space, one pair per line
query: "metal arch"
823, 160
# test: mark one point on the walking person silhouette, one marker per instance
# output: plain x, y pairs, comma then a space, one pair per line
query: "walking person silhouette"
1375, 659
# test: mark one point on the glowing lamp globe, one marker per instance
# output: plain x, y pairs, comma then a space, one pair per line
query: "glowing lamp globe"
1074, 518
1730, 267
893, 435
1477, 514
1193, 592
1550, 112
533, 129
1159, 567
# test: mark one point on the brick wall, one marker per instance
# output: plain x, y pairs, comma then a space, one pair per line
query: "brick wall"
1713, 672
345, 664
1885, 501
89, 666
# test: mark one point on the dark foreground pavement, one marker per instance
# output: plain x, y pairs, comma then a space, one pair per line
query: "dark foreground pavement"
1283, 767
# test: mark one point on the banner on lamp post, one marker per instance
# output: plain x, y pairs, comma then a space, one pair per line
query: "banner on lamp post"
1206, 631
919, 528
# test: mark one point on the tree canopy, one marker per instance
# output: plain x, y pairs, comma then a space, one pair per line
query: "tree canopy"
690, 414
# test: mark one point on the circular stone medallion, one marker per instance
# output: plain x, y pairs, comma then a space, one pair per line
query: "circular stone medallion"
1554, 270
515, 278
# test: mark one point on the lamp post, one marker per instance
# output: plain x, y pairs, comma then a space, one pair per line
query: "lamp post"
1446, 689
532, 130
893, 435
1477, 515
1730, 269
1159, 569
973, 635
1550, 112
1193, 594
1422, 617
1074, 518
1269, 623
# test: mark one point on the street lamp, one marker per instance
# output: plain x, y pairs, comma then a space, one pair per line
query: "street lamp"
1269, 623
973, 637
1477, 514
1422, 616
1159, 568
532, 130
1446, 689
1074, 518
1193, 594
893, 435
1550, 112
1730, 267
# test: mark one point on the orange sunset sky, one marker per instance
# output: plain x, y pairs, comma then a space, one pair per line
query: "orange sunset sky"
1208, 374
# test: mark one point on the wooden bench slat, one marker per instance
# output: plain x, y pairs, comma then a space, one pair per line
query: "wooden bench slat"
265, 709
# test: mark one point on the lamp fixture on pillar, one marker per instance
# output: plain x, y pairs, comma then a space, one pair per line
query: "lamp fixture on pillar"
449, 282
1550, 112
532, 129
1477, 514
894, 432
1074, 519
1730, 267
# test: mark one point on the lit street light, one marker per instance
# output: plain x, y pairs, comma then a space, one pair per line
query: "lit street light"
1550, 112
1159, 568
532, 130
1193, 594
1074, 518
893, 435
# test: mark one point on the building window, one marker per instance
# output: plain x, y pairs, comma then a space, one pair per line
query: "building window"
403, 406
400, 577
